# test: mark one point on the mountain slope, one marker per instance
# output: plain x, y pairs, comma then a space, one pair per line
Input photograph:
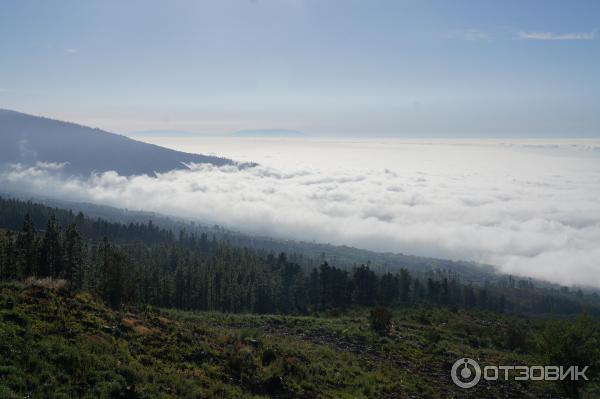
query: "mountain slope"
28, 139
58, 344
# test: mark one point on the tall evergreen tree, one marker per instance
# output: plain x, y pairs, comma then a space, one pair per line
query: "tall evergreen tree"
405, 283
27, 247
50, 264
73, 257
365, 286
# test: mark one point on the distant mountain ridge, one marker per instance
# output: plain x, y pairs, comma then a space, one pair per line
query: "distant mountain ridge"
268, 133
255, 133
164, 133
28, 139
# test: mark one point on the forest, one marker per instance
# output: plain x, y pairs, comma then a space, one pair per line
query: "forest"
141, 263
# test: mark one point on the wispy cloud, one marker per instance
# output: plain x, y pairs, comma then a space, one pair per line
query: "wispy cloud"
71, 50
51, 165
557, 36
474, 34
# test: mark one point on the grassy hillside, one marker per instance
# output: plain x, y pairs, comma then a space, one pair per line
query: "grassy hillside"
57, 345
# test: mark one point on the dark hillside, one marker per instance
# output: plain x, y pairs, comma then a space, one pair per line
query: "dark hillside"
28, 139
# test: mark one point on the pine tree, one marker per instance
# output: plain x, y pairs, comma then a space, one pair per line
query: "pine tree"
112, 282
405, 283
73, 257
314, 289
51, 251
27, 248
365, 286
388, 289
7, 257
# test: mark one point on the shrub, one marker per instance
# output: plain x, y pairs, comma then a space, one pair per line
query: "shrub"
269, 356
380, 320
565, 343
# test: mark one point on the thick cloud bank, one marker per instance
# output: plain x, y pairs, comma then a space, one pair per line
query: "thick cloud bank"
532, 210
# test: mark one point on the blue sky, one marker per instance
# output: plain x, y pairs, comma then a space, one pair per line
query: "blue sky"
361, 68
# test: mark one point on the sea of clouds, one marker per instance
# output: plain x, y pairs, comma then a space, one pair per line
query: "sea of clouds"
532, 210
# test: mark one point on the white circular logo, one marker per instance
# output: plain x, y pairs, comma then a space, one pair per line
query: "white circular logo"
465, 377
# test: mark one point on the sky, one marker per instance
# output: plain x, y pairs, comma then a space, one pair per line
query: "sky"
403, 68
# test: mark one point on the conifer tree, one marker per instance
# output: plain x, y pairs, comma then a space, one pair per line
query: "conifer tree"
51, 257
73, 257
27, 247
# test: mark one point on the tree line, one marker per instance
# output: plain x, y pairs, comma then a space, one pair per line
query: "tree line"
195, 272
141, 263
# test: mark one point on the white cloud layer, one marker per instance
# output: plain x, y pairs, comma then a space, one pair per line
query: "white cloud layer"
557, 36
531, 209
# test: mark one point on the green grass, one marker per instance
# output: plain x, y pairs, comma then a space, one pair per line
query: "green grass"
53, 345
